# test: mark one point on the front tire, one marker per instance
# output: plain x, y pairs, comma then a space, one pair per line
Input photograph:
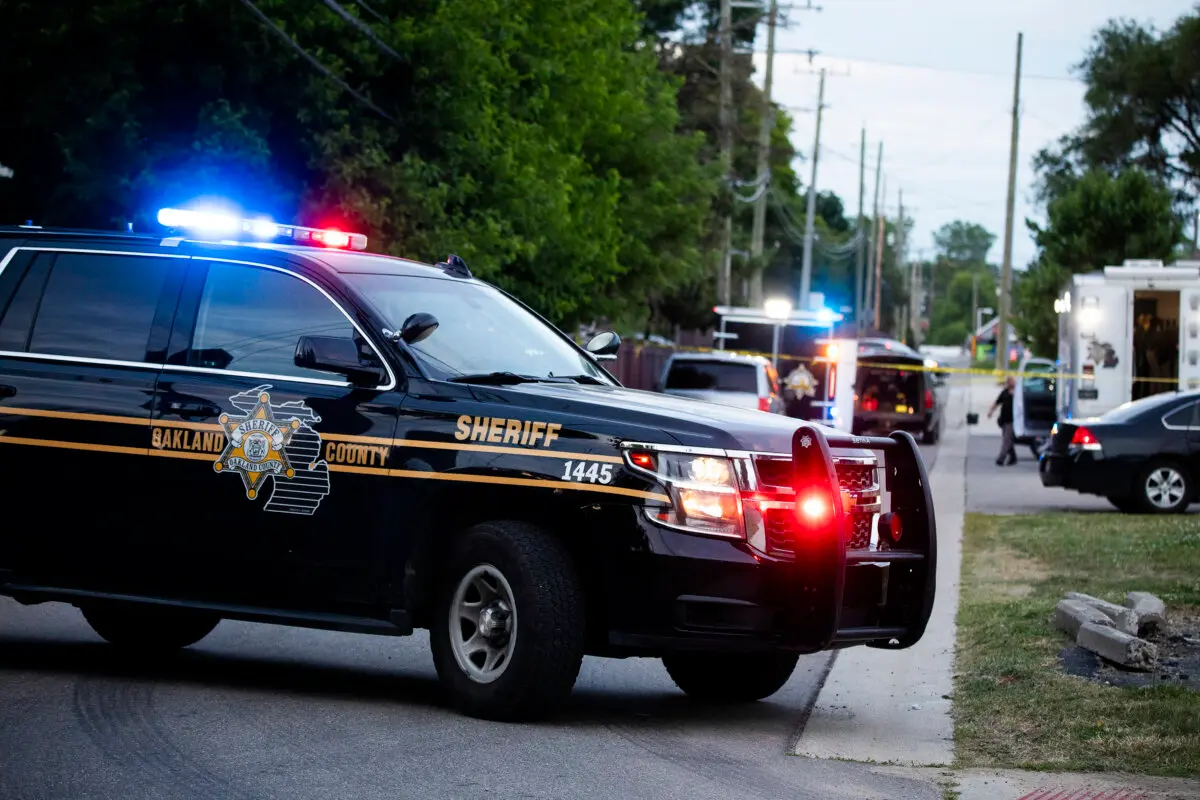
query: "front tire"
730, 678
508, 627
149, 629
1164, 487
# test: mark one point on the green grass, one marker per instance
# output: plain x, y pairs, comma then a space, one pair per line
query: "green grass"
1013, 708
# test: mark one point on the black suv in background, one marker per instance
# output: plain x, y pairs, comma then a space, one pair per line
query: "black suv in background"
894, 391
293, 431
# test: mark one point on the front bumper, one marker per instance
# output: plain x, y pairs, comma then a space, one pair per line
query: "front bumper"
819, 589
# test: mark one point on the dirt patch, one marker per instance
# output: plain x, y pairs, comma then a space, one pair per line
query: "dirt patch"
1001, 572
1178, 659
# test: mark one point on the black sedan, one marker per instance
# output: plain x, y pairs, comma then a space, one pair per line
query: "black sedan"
1143, 456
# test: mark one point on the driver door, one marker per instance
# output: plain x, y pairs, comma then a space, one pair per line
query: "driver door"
272, 478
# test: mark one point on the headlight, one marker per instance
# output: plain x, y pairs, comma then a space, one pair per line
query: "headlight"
703, 490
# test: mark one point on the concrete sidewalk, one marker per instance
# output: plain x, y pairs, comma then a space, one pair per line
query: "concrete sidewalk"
894, 706
1006, 784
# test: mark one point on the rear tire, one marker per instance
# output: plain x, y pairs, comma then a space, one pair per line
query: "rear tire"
149, 629
508, 627
730, 678
1164, 487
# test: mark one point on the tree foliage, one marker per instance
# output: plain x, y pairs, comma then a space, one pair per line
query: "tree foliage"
539, 141
1099, 221
1143, 107
957, 274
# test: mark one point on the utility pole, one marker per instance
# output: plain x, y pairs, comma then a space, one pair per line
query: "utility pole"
860, 256
872, 253
764, 164
1006, 267
806, 266
879, 261
1196, 235
724, 279
901, 264
974, 300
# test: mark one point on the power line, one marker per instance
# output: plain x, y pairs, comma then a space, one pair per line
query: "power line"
926, 67
317, 65
362, 27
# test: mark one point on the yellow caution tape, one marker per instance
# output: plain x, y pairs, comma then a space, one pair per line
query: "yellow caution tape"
1193, 383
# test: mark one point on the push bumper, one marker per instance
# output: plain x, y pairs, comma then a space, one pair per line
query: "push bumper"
829, 591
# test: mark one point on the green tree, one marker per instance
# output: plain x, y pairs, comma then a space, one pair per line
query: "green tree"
959, 264
1099, 221
540, 142
1143, 107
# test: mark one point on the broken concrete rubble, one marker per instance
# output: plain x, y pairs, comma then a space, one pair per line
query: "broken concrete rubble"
1123, 618
1151, 612
1070, 616
1117, 646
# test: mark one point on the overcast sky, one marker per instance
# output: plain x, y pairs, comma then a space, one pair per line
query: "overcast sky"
933, 79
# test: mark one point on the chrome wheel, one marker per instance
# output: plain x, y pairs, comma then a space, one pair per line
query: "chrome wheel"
1165, 487
483, 624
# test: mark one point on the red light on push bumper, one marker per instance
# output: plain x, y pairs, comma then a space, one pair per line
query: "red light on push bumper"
764, 404
813, 508
929, 399
891, 526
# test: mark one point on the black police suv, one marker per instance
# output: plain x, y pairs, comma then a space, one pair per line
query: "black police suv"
295, 431
1144, 456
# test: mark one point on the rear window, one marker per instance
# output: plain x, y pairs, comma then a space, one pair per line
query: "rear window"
891, 390
713, 376
1155, 403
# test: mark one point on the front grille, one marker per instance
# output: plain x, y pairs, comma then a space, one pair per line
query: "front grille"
860, 535
776, 473
781, 533
856, 477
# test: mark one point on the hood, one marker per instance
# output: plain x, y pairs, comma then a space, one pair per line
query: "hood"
618, 411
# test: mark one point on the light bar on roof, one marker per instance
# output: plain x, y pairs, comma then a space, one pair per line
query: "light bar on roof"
260, 228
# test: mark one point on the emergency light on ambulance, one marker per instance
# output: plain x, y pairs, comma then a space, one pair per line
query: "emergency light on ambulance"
216, 223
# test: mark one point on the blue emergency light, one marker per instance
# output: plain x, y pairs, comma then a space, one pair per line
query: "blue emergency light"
218, 223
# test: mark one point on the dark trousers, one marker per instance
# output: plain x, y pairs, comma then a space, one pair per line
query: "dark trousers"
1007, 450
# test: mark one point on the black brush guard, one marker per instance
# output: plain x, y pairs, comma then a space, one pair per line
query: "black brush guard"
902, 579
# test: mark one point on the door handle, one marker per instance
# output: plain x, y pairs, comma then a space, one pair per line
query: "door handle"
7, 391
199, 409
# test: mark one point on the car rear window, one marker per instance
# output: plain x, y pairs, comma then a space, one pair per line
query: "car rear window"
1127, 412
713, 376
890, 390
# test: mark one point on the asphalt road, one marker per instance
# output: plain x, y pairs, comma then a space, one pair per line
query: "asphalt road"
259, 711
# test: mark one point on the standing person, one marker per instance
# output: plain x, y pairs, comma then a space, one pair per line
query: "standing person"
800, 386
1008, 453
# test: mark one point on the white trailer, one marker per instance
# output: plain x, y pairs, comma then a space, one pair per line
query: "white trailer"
1126, 332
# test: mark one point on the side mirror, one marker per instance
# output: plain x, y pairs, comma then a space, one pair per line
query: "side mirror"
338, 355
418, 327
604, 346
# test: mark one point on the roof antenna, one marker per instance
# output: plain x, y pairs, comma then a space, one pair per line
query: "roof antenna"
456, 265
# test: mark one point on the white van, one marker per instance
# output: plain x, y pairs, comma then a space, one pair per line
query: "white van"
1125, 333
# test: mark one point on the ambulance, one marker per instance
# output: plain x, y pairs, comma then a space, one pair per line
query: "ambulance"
1127, 332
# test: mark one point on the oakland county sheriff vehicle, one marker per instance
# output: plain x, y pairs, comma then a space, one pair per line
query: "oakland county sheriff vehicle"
258, 421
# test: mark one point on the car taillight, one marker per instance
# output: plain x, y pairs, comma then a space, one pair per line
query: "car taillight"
1085, 439
870, 404
928, 399
764, 404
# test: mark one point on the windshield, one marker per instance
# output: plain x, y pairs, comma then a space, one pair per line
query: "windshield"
480, 330
713, 376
